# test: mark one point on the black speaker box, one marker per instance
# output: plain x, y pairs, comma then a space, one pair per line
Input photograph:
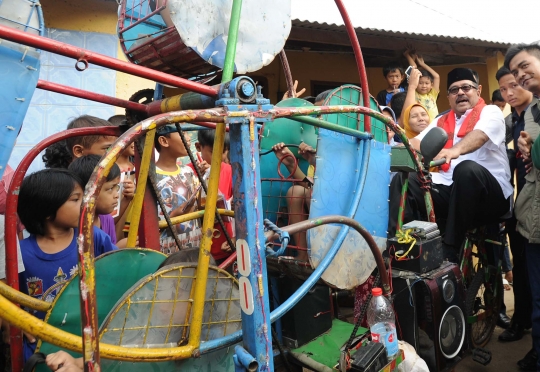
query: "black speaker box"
435, 304
309, 318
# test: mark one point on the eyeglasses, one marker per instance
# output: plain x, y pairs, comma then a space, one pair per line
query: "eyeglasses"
465, 88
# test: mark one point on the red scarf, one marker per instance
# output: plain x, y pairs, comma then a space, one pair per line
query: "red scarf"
448, 123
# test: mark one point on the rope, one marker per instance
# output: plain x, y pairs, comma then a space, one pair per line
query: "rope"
404, 237
284, 238
363, 311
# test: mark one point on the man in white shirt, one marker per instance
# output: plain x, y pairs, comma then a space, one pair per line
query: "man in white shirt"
473, 188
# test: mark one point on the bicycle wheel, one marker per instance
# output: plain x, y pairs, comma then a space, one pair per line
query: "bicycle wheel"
482, 305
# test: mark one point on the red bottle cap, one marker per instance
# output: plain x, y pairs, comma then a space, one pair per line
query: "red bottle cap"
376, 291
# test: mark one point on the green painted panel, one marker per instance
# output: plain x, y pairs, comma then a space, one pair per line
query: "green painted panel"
352, 95
325, 349
116, 272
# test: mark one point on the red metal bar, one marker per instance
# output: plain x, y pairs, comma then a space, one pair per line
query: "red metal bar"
359, 61
12, 202
97, 97
149, 223
140, 20
67, 50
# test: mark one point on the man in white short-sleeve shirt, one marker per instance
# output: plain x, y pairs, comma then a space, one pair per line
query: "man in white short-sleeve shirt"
473, 188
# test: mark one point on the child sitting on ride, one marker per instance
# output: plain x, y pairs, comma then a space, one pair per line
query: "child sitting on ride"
179, 188
423, 84
205, 143
107, 199
61, 154
49, 207
298, 195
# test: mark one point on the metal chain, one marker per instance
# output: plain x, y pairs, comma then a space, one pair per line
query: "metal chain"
203, 184
156, 194
363, 311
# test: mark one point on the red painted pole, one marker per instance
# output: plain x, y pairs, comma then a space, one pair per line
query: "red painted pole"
84, 55
102, 98
11, 221
359, 61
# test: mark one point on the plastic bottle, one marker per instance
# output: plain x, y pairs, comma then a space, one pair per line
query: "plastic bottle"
382, 323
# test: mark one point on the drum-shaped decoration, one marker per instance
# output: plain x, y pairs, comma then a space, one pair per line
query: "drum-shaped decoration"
188, 38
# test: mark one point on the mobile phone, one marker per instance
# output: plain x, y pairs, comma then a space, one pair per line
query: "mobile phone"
408, 71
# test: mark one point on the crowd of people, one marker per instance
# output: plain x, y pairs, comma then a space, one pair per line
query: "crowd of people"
475, 187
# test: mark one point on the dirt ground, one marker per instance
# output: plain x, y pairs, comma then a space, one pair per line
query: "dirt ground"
504, 355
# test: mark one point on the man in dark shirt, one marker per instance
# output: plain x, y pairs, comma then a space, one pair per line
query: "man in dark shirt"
519, 99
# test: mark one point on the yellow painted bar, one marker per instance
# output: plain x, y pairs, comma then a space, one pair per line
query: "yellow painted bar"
171, 104
23, 299
141, 187
191, 216
207, 233
23, 320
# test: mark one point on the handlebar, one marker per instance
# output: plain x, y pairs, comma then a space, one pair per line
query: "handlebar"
437, 162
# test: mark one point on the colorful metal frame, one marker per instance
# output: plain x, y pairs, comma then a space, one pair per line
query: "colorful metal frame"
244, 153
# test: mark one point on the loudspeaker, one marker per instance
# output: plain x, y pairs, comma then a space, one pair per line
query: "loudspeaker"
435, 304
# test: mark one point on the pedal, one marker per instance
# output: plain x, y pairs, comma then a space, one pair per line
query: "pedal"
481, 356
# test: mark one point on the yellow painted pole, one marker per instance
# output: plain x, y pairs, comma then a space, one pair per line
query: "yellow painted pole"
23, 320
207, 233
22, 299
141, 187
192, 216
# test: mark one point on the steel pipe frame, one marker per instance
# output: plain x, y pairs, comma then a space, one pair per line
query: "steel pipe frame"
96, 97
359, 59
40, 328
80, 54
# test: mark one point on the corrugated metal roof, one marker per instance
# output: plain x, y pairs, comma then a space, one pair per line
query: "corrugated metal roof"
408, 35
470, 21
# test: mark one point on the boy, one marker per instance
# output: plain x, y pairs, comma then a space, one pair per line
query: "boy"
179, 187
426, 88
497, 99
394, 75
220, 248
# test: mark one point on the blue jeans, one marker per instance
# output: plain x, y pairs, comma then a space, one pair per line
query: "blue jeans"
533, 264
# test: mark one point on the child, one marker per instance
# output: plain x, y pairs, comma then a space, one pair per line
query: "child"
394, 75
220, 248
298, 195
62, 154
127, 171
49, 207
107, 199
497, 99
426, 89
179, 188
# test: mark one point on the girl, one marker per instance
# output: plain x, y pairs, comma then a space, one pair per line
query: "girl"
49, 207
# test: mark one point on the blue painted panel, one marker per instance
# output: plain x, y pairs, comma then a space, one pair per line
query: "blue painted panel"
335, 176
19, 77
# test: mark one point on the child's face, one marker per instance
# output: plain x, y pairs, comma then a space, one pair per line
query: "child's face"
67, 216
500, 104
108, 197
206, 152
394, 78
175, 146
100, 147
130, 150
424, 85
